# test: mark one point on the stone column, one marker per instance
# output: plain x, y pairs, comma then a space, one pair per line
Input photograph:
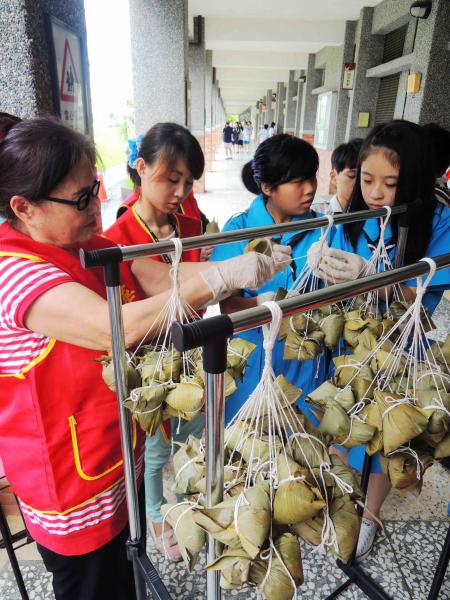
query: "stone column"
299, 104
197, 74
159, 43
26, 76
290, 106
363, 97
343, 97
432, 59
209, 155
309, 102
270, 112
279, 107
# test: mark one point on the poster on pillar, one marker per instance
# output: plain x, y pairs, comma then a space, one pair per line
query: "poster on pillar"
69, 85
349, 76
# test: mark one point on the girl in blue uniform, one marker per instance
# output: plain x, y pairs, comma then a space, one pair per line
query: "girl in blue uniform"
283, 174
395, 167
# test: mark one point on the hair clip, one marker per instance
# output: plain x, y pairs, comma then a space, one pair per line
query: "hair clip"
133, 150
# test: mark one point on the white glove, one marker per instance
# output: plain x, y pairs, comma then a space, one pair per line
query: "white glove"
266, 297
282, 256
337, 266
249, 270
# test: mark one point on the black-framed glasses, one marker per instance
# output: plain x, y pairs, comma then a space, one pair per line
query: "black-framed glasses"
83, 201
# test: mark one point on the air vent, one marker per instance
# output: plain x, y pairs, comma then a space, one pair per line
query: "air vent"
387, 97
394, 43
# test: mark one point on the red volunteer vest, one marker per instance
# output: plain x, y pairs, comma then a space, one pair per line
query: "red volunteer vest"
59, 425
189, 206
129, 230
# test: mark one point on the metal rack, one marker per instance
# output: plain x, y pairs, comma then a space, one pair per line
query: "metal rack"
212, 334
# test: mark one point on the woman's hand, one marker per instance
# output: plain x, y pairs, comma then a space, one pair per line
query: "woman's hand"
250, 271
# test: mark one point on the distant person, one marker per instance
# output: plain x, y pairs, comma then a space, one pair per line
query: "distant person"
344, 161
227, 133
235, 138
263, 134
272, 129
240, 136
440, 140
246, 136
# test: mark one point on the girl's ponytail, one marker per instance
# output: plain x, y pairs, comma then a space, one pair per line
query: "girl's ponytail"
248, 178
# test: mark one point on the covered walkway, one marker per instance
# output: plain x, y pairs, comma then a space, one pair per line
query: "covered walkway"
415, 525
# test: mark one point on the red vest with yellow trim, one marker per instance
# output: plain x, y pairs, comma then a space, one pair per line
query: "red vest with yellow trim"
59, 423
129, 230
188, 207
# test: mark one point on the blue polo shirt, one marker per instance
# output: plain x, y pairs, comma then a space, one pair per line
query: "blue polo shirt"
306, 375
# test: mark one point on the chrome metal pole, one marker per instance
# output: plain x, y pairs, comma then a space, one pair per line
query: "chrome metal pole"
112, 280
214, 366
94, 258
214, 430
198, 333
254, 317
119, 360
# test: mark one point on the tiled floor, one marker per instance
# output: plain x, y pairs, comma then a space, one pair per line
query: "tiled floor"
416, 526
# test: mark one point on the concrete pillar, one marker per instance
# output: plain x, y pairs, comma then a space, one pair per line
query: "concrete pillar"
27, 79
209, 150
309, 101
159, 44
197, 74
270, 112
369, 53
343, 97
299, 103
432, 60
290, 105
279, 107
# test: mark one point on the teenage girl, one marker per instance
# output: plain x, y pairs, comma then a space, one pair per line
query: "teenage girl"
188, 207
283, 175
395, 167
168, 161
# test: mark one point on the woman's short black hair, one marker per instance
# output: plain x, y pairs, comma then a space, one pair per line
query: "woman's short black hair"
35, 156
280, 159
169, 142
406, 146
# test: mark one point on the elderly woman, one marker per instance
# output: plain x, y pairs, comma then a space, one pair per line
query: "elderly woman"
59, 431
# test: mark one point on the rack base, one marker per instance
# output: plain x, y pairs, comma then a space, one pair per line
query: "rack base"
362, 580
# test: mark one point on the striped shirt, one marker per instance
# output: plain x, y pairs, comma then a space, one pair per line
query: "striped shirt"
22, 281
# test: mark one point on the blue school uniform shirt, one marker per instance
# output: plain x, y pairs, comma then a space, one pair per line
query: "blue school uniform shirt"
439, 244
306, 375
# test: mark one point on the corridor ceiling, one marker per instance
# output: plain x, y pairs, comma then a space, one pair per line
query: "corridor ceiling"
255, 43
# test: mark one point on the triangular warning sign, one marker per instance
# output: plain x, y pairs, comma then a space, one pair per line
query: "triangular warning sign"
69, 76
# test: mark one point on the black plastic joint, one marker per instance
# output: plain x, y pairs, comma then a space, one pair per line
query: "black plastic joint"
100, 257
215, 356
111, 274
201, 333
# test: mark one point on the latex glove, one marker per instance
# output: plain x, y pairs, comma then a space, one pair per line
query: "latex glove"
249, 270
266, 297
282, 256
337, 266
315, 254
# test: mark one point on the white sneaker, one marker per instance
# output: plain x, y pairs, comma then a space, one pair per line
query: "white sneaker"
366, 539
